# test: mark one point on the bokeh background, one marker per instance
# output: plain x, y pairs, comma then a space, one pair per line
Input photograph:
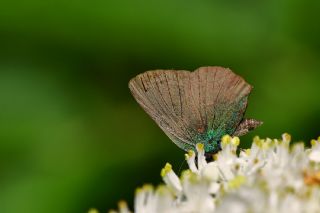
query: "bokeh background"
71, 135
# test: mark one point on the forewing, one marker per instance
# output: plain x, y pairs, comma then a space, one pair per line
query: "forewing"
163, 94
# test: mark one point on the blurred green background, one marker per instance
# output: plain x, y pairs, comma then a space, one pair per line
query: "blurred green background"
71, 135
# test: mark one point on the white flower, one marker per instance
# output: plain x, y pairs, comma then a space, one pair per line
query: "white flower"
197, 197
149, 200
270, 177
315, 152
171, 179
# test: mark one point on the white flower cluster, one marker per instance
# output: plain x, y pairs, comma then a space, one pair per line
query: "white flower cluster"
270, 177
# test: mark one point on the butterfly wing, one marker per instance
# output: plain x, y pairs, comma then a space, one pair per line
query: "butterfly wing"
163, 95
223, 98
186, 105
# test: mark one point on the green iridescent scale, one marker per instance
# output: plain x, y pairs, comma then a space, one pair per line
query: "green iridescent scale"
194, 107
227, 122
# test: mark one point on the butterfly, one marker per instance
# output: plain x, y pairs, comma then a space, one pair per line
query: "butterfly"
195, 107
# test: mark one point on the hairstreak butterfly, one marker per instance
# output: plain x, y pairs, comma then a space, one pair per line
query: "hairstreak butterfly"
195, 107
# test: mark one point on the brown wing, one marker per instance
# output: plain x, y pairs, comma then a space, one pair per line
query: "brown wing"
223, 96
185, 104
163, 95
